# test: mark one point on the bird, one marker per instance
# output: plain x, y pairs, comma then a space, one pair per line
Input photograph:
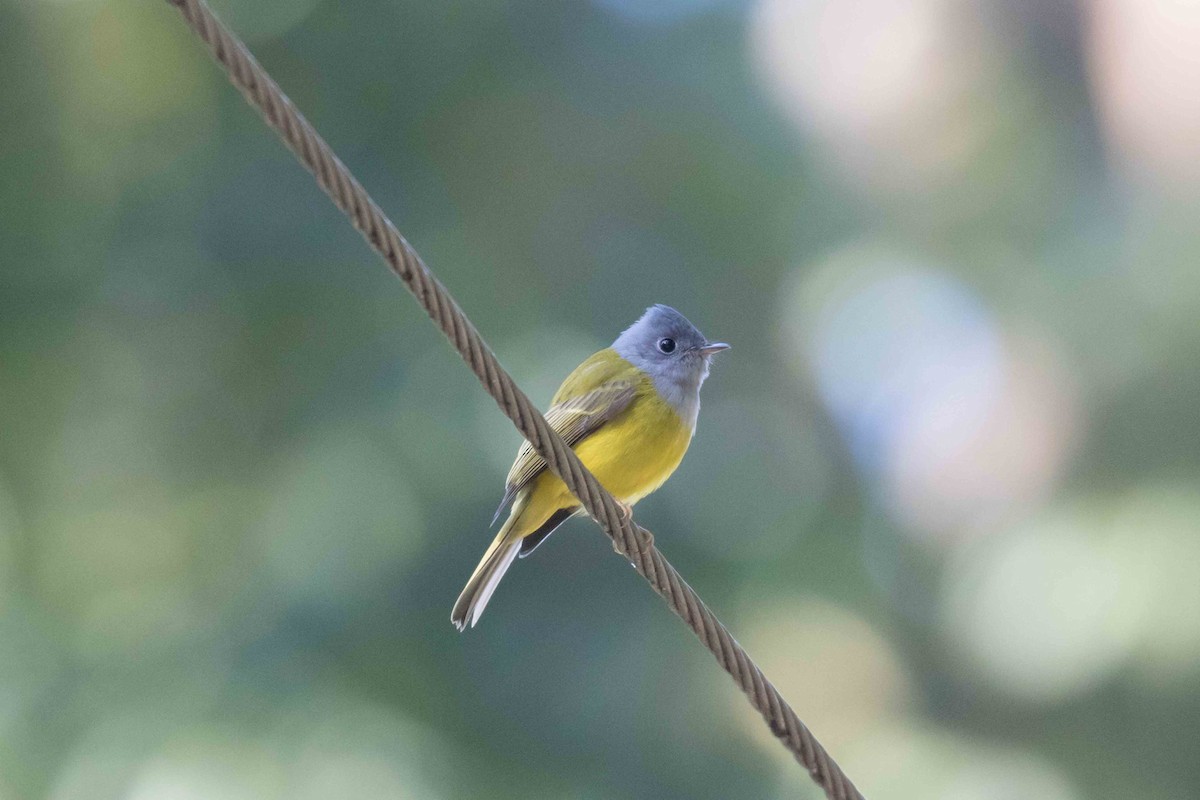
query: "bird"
629, 412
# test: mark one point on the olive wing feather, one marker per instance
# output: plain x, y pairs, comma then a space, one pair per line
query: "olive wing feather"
572, 418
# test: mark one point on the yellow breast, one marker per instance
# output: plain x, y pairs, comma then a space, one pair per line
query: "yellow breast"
631, 455
635, 453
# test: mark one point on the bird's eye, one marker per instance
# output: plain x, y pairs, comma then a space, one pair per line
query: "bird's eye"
666, 346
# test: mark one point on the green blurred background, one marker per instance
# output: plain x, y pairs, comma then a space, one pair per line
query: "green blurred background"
945, 487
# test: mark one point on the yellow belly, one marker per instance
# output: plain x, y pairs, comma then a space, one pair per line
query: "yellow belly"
631, 456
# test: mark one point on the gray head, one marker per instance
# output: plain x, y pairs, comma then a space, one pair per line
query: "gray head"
668, 348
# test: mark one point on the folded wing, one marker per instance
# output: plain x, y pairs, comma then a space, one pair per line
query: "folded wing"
574, 418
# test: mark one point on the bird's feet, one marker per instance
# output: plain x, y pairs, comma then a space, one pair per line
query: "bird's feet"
626, 511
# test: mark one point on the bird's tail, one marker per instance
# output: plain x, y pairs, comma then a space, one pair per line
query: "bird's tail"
495, 562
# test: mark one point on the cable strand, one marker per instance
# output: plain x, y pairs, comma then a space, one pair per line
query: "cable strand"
631, 541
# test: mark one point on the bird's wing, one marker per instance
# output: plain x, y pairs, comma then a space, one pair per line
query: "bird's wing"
575, 413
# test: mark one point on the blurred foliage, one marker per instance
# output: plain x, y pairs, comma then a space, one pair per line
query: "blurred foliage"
945, 486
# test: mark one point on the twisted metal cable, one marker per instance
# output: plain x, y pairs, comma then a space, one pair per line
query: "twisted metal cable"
629, 539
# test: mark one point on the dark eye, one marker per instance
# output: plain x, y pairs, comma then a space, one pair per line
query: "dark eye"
666, 346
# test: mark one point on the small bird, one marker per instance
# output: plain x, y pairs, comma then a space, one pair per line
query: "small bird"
629, 412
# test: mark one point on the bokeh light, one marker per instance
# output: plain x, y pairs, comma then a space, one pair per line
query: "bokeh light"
1156, 531
1054, 608
137, 102
1044, 611
885, 85
1144, 68
957, 424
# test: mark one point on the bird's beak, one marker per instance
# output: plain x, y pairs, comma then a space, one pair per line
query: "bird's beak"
713, 347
